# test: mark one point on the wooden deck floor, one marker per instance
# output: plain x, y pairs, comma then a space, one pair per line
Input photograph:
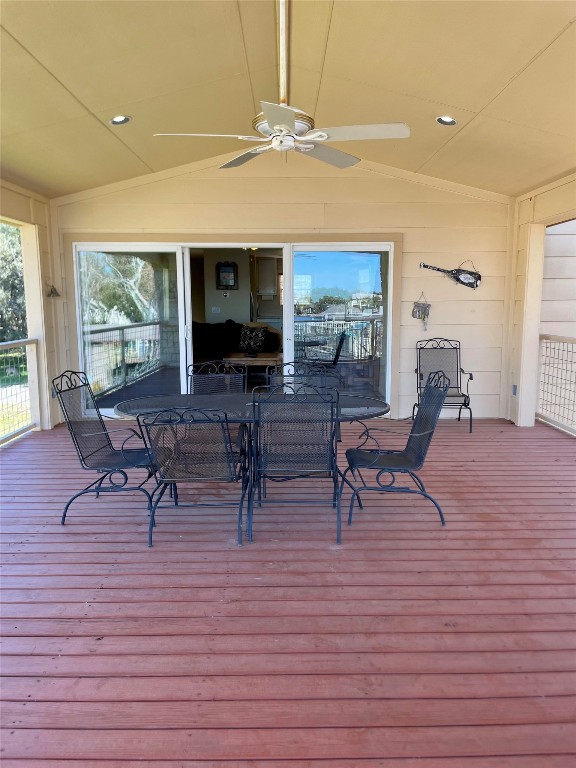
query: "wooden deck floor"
410, 646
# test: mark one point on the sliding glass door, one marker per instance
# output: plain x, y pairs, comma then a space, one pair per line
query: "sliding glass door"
135, 314
341, 312
130, 305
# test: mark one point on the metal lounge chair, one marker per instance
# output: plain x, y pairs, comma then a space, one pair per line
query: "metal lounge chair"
191, 446
295, 437
443, 355
391, 465
92, 440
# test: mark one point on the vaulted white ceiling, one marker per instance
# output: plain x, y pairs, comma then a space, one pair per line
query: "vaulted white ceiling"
505, 70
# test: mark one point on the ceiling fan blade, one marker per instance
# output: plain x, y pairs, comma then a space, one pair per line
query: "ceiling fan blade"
216, 136
245, 157
330, 155
360, 132
278, 115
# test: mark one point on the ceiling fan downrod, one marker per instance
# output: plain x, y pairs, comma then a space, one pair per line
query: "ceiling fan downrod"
282, 22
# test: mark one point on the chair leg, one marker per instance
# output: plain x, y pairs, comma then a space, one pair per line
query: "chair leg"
424, 492
246, 487
96, 488
470, 412
433, 500
335, 482
417, 480
239, 535
355, 495
420, 492
349, 484
92, 488
250, 512
339, 515
152, 521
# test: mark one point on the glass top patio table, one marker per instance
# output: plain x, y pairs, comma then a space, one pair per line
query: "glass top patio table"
238, 406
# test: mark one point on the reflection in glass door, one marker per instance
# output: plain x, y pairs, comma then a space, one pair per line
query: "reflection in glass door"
341, 309
128, 322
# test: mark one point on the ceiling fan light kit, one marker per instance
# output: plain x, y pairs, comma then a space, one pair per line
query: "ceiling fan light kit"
287, 129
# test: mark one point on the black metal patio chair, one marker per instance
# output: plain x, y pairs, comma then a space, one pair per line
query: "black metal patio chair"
193, 446
216, 376
304, 372
391, 465
92, 441
295, 437
329, 353
443, 355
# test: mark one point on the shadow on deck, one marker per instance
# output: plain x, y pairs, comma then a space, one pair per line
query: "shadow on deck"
166, 381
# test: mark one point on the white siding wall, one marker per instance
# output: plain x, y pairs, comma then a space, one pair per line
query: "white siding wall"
558, 312
440, 223
534, 211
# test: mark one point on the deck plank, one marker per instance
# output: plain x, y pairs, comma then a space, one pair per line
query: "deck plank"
409, 646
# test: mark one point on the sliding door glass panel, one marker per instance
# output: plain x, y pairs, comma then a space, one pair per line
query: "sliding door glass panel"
129, 323
341, 311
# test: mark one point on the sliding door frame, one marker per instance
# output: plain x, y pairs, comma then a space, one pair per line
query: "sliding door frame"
136, 247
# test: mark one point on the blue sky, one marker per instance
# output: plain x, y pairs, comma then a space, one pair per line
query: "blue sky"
350, 272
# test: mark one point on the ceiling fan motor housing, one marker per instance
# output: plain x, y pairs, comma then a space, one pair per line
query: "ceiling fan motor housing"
304, 123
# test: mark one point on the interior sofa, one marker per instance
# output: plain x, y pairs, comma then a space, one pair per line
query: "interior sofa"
213, 341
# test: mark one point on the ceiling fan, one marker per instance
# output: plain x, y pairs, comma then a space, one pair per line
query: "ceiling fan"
287, 129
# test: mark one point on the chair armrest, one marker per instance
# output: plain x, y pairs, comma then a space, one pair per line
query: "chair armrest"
470, 378
108, 432
123, 447
113, 431
134, 432
367, 434
359, 459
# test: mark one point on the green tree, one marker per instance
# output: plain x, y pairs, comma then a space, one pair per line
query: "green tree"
323, 302
122, 282
12, 300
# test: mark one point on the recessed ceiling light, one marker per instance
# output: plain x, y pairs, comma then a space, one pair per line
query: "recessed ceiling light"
120, 120
446, 120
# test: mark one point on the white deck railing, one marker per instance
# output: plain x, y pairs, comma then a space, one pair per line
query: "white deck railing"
120, 355
19, 397
557, 399
363, 336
